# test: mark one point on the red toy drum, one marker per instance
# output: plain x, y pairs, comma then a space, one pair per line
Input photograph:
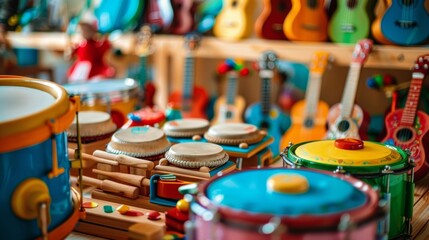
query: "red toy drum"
276, 203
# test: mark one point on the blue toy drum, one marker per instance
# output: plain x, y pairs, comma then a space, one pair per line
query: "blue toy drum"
36, 198
276, 203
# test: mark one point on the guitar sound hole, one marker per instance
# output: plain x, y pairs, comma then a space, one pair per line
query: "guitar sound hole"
407, 2
234, 3
228, 114
264, 125
178, 5
351, 3
282, 6
308, 123
404, 135
312, 3
343, 126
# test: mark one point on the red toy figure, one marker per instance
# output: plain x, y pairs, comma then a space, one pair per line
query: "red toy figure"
90, 63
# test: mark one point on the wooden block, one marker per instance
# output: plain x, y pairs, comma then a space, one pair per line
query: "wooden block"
115, 225
141, 202
145, 231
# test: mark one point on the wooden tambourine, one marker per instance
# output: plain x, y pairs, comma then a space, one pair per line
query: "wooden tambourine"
196, 155
241, 134
141, 142
184, 128
95, 129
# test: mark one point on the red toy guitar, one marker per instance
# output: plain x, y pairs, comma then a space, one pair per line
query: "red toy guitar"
159, 14
346, 119
406, 128
193, 100
269, 24
183, 20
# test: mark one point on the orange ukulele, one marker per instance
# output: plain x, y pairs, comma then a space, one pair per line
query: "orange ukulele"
306, 21
309, 116
406, 128
194, 100
269, 24
346, 119
234, 21
376, 24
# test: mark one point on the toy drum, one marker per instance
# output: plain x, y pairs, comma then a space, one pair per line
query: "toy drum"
186, 129
36, 198
140, 142
385, 167
245, 143
279, 203
95, 129
115, 96
195, 161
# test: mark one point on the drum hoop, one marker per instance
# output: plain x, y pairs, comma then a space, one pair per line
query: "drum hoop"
127, 93
257, 137
192, 164
357, 214
41, 118
398, 167
109, 149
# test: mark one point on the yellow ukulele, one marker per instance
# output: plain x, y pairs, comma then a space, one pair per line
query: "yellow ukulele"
309, 115
306, 21
234, 21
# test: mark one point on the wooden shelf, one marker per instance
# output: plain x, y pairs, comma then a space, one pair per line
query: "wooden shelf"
169, 53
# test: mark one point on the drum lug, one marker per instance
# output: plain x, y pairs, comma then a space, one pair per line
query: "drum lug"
286, 160
274, 228
340, 170
346, 226
387, 170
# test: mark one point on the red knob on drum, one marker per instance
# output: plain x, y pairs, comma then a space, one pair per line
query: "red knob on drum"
349, 144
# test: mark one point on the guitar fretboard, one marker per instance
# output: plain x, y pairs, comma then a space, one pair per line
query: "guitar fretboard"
231, 90
188, 81
349, 93
312, 94
143, 72
266, 76
412, 102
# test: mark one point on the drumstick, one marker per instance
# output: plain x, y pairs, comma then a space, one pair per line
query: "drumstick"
182, 170
131, 179
113, 187
89, 157
125, 160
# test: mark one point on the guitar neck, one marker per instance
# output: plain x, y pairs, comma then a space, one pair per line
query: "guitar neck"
266, 76
231, 88
188, 80
312, 94
349, 94
410, 110
143, 72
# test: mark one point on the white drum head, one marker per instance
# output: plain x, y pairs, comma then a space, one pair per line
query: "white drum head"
232, 130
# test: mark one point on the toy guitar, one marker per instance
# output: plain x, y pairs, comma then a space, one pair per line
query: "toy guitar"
307, 21
194, 99
118, 15
148, 114
183, 20
159, 14
265, 115
206, 13
406, 128
269, 24
230, 108
376, 31
347, 119
143, 50
309, 115
405, 22
234, 21
350, 22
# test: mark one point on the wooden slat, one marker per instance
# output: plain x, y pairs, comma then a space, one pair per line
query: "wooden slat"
421, 210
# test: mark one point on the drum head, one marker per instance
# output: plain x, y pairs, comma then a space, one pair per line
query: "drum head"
186, 127
196, 154
92, 123
373, 157
232, 130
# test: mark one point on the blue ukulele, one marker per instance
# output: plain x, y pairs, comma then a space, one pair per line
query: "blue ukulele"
406, 22
265, 115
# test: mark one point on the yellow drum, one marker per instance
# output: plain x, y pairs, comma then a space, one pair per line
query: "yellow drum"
382, 166
115, 96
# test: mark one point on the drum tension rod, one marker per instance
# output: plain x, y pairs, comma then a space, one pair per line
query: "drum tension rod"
56, 171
